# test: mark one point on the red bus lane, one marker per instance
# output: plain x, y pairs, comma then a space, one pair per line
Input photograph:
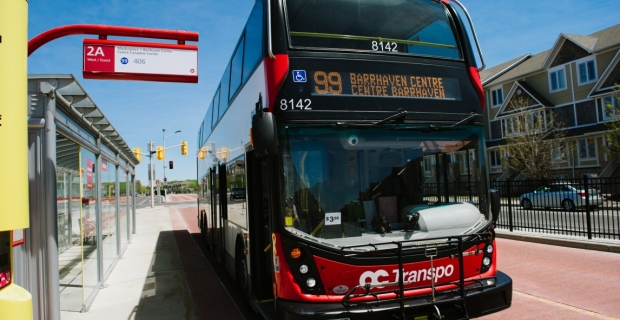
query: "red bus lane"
553, 282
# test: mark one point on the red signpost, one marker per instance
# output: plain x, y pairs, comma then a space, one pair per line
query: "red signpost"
104, 31
124, 60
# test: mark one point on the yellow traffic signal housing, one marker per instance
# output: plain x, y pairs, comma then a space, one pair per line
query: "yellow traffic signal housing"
137, 153
184, 148
201, 153
160, 152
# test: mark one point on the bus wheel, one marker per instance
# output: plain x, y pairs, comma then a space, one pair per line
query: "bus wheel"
241, 276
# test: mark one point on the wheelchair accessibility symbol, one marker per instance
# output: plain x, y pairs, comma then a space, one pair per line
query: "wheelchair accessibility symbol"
299, 75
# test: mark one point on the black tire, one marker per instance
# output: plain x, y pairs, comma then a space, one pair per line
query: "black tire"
526, 204
241, 275
568, 205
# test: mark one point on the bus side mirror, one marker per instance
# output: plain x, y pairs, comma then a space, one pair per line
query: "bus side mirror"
495, 204
264, 132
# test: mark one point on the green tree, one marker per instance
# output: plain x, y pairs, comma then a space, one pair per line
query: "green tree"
612, 135
535, 141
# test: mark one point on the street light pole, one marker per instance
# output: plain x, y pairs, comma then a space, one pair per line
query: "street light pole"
163, 135
152, 174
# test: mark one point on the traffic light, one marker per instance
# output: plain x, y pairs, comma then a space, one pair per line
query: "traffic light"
160, 152
170, 165
201, 153
136, 152
184, 148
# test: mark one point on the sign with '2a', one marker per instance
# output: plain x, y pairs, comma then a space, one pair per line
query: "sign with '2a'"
124, 60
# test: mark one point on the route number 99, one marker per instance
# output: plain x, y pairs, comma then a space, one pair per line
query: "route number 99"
327, 82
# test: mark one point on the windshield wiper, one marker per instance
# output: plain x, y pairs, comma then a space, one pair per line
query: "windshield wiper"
469, 118
400, 113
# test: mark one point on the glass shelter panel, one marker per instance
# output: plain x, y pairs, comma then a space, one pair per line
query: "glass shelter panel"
63, 196
89, 219
108, 213
68, 206
125, 202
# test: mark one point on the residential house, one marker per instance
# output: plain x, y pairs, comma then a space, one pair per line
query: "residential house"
571, 83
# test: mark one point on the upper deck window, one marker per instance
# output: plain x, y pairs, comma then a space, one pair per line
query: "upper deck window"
417, 27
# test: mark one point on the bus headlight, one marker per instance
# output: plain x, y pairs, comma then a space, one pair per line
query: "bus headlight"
303, 269
490, 248
486, 261
311, 282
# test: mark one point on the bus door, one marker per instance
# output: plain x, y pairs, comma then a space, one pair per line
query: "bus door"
222, 211
260, 204
213, 207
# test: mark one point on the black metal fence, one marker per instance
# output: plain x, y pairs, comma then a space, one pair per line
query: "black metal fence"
587, 207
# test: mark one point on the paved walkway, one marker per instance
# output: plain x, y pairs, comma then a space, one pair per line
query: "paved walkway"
162, 275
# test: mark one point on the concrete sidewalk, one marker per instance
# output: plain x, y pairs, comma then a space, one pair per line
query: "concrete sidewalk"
150, 281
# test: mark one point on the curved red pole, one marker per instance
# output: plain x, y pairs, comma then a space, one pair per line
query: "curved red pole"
103, 31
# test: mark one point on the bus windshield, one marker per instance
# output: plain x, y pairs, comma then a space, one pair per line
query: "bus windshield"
416, 27
351, 186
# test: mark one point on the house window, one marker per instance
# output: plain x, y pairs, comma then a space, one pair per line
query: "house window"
510, 127
586, 71
496, 158
497, 96
526, 123
560, 154
557, 79
428, 163
610, 107
452, 158
587, 148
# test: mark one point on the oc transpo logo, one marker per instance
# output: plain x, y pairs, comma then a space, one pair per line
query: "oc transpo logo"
381, 276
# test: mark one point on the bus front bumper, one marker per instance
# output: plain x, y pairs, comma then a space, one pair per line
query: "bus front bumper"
479, 302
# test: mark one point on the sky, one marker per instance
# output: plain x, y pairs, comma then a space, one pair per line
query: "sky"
140, 110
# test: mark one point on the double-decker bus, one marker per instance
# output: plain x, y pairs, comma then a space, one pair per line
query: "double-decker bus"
342, 164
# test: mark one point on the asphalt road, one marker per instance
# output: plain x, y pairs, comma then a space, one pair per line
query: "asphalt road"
549, 282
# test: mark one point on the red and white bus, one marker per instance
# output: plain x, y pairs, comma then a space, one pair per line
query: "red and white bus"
342, 164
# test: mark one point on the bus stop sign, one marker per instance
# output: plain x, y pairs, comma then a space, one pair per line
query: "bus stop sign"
125, 60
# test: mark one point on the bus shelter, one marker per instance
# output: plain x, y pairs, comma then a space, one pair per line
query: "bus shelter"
81, 188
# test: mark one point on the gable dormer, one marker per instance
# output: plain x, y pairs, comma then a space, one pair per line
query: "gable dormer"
569, 48
525, 97
608, 80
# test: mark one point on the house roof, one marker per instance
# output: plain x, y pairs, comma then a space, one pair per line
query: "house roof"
490, 74
595, 42
530, 65
537, 99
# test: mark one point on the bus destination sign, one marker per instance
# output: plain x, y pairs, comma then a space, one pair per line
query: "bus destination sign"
124, 60
384, 85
